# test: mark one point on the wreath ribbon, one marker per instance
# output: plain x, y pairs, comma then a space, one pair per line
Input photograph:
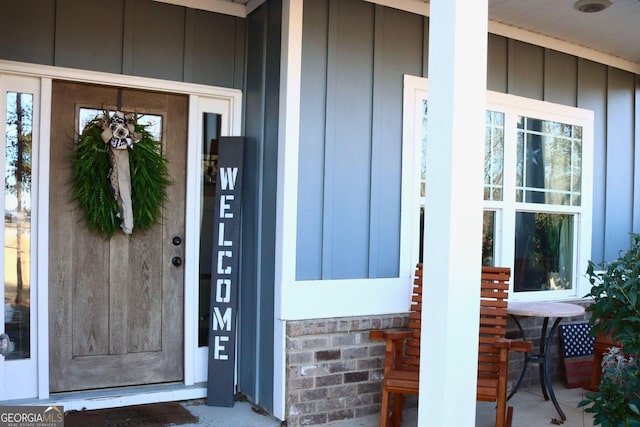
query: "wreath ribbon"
119, 133
116, 184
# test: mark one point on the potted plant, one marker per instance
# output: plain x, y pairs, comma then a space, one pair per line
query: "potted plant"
616, 313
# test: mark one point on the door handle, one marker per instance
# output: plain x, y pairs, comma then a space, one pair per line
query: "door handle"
5, 344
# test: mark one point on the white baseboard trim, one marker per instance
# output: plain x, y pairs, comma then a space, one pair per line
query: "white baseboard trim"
113, 398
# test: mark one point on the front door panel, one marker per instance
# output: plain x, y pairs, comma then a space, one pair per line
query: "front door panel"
116, 305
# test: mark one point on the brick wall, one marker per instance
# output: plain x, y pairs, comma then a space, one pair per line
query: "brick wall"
334, 371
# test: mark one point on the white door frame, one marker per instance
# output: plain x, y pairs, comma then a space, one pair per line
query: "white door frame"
18, 377
201, 98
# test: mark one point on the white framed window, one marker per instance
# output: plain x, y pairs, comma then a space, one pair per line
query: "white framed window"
538, 195
538, 187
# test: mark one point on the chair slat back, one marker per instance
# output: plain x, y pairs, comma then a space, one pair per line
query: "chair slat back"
412, 347
493, 318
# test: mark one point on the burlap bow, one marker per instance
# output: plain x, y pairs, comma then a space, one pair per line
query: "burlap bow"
119, 133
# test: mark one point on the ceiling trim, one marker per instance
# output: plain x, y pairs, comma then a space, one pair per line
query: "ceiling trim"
219, 6
253, 5
562, 46
420, 7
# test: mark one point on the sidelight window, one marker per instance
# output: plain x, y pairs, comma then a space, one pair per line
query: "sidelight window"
17, 223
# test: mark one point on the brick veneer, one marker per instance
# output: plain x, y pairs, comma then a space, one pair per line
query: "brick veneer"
334, 370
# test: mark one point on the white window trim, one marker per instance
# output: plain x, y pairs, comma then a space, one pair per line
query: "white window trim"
315, 299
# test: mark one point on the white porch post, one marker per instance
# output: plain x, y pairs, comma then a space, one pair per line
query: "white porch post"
453, 216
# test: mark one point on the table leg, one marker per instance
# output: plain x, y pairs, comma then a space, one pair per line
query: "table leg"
547, 373
542, 358
543, 364
526, 360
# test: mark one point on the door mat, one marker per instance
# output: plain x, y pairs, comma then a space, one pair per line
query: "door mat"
151, 415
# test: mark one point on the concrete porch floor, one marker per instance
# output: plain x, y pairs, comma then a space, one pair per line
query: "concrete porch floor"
530, 410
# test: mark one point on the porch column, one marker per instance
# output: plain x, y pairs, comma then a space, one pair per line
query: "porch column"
453, 215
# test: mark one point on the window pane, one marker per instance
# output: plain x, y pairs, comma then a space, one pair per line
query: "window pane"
549, 162
423, 143
152, 122
493, 155
543, 251
211, 132
17, 224
488, 238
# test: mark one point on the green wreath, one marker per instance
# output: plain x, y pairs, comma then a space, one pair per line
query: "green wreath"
92, 188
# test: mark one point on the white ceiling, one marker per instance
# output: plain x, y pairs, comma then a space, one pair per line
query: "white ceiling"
614, 31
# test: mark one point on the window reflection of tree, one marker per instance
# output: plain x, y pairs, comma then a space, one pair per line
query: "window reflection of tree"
18, 155
527, 275
543, 250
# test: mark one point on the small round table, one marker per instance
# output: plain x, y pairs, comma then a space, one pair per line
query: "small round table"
546, 310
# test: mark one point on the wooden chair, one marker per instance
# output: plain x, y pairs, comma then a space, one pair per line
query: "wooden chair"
402, 359
493, 347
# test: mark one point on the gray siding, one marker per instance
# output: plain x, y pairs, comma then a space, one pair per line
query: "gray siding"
395, 56
84, 42
497, 63
348, 140
135, 37
619, 203
26, 30
560, 77
525, 70
592, 91
255, 365
354, 57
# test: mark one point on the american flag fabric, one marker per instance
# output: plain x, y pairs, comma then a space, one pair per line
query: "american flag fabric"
577, 349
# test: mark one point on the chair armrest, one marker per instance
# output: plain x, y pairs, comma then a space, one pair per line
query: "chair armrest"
514, 345
520, 345
390, 334
394, 339
502, 343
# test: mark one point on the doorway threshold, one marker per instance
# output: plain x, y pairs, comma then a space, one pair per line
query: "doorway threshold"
117, 397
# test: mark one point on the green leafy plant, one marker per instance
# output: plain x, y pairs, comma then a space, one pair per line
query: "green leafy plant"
616, 313
617, 402
91, 189
616, 298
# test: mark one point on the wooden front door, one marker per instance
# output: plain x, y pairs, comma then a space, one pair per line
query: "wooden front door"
115, 305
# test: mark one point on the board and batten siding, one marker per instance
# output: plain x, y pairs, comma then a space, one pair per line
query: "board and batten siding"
262, 90
133, 37
354, 56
